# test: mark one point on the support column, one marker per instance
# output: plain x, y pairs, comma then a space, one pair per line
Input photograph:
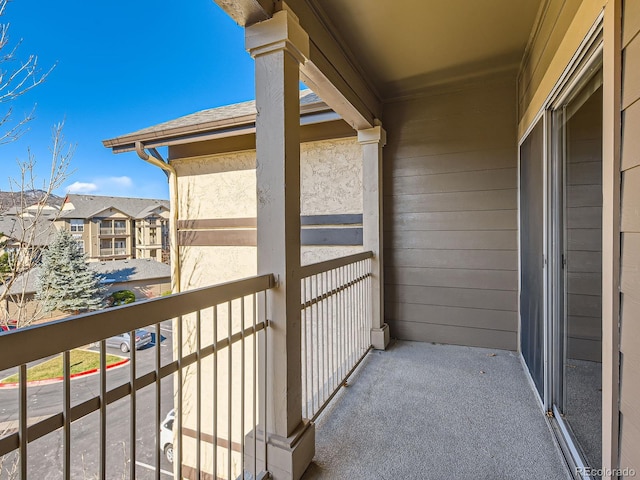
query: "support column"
372, 141
279, 46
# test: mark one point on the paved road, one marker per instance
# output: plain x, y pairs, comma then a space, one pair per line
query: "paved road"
46, 455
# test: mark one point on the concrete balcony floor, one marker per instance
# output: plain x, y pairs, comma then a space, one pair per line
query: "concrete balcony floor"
424, 411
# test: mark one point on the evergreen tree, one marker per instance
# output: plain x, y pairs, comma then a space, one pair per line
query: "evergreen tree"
66, 283
5, 264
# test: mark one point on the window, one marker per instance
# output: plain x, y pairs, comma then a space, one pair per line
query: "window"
77, 225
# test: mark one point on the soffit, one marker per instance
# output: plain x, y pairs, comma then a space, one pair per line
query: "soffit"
405, 45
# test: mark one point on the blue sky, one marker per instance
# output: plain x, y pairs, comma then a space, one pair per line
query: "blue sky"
120, 66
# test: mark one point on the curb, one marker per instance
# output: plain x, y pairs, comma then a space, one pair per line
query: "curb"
50, 381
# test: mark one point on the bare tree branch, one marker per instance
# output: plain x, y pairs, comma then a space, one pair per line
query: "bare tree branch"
17, 77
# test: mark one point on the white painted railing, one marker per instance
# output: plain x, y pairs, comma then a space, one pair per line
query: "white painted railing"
212, 378
336, 297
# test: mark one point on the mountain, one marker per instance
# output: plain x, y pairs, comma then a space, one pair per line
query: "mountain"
10, 199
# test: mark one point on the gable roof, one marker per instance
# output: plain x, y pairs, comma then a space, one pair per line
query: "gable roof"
144, 213
87, 206
237, 117
14, 228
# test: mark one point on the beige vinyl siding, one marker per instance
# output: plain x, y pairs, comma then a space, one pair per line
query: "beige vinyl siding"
451, 215
630, 229
554, 21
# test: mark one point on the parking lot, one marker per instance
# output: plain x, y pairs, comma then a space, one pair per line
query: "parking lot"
45, 459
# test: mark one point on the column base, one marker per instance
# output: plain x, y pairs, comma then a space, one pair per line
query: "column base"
287, 458
380, 337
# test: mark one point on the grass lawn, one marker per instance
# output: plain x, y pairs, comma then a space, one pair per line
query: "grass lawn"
80, 361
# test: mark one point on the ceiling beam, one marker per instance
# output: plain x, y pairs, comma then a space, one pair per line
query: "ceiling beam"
247, 12
331, 73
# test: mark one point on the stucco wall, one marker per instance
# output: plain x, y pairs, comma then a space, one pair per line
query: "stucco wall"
223, 187
215, 190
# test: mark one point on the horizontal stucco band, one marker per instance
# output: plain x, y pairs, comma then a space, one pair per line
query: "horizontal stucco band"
207, 437
248, 237
337, 219
218, 238
339, 230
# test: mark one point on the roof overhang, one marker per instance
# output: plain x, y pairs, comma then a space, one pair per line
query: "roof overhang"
310, 114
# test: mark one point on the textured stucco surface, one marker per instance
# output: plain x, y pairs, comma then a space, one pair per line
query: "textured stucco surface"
314, 254
217, 186
331, 177
224, 186
204, 266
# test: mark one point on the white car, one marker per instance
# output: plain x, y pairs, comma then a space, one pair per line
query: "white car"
166, 435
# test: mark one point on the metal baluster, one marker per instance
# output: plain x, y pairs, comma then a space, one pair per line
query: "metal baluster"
215, 391
179, 410
103, 410
158, 386
311, 343
198, 393
303, 342
255, 389
321, 339
132, 405
66, 399
229, 389
242, 386
266, 383
23, 426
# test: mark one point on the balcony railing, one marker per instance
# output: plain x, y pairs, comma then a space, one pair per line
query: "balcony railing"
212, 378
113, 231
335, 326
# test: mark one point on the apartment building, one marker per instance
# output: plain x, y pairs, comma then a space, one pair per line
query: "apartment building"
117, 228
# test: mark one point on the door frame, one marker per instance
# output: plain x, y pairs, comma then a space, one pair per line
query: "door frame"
591, 50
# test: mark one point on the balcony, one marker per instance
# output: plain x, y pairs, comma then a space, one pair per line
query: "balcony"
106, 231
413, 411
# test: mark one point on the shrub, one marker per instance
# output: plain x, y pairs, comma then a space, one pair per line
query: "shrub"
122, 297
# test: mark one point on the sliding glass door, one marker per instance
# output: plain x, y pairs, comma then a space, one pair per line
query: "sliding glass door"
560, 237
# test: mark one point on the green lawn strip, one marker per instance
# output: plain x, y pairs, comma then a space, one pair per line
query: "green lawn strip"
80, 361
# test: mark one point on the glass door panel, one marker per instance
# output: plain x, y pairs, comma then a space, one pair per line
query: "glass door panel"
577, 320
532, 254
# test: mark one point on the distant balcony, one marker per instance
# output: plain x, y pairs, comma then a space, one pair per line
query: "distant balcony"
112, 231
112, 252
